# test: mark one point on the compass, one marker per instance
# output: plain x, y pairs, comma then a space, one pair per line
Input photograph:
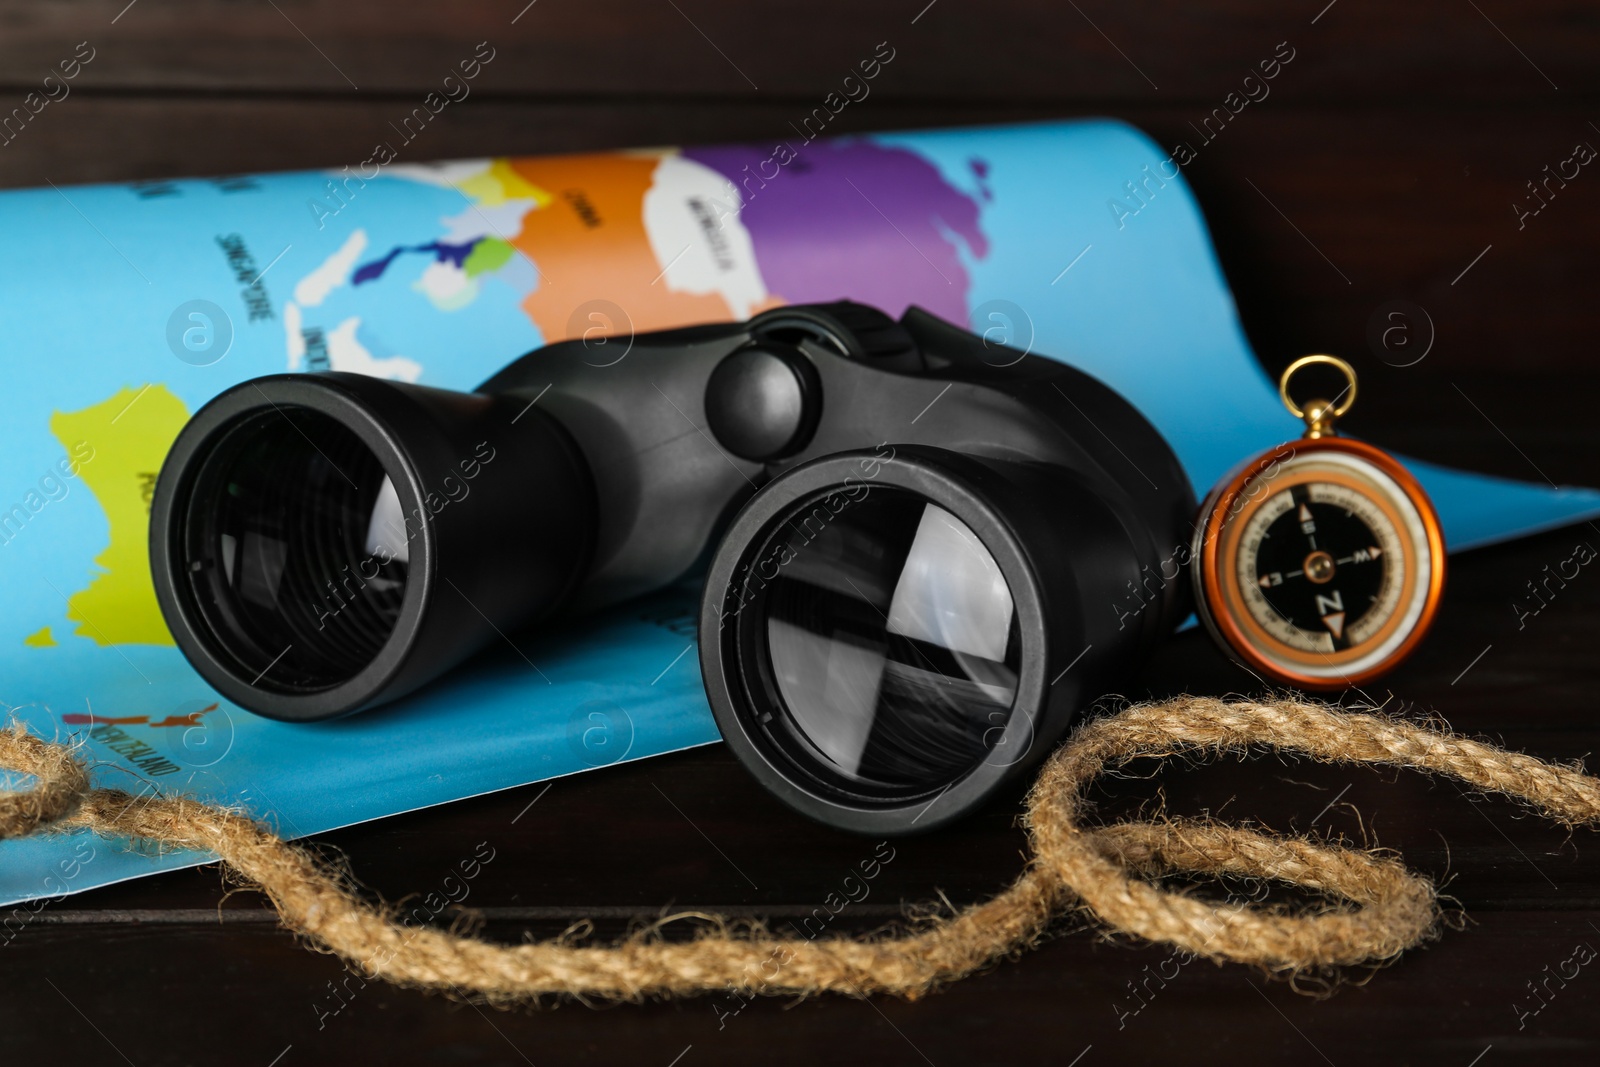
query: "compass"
1319, 563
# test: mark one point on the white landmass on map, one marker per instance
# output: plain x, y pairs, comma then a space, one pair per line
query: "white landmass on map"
502, 220
446, 286
445, 175
345, 352
314, 288
294, 340
691, 214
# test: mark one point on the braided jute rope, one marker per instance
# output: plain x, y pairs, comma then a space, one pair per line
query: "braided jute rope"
1102, 869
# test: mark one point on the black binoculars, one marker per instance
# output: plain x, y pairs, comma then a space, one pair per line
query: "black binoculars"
917, 545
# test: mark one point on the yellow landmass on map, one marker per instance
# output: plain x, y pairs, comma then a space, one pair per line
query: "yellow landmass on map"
499, 183
130, 433
40, 638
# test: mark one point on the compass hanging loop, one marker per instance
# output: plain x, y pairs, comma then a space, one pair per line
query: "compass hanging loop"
1319, 415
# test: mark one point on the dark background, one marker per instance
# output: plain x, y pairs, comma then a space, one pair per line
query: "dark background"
1384, 166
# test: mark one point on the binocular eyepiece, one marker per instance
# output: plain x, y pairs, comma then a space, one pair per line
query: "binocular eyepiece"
922, 541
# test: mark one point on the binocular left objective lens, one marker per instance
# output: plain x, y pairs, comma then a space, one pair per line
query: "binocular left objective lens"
323, 543
303, 533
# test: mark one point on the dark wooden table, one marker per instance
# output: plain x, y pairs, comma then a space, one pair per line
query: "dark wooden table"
1389, 163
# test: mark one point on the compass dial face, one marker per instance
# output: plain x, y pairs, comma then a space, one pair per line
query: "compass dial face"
1324, 570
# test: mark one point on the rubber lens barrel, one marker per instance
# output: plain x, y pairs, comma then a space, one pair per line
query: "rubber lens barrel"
321, 543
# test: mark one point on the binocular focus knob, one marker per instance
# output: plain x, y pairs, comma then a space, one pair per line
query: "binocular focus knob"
762, 402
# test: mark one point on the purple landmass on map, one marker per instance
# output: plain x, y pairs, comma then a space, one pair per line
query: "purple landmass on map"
855, 219
442, 251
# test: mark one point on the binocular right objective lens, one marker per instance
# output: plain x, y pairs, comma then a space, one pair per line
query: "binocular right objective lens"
891, 641
885, 651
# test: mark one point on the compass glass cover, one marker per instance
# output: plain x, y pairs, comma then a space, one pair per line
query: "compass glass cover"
1325, 567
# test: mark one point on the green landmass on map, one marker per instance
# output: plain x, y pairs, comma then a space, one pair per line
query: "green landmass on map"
130, 433
489, 254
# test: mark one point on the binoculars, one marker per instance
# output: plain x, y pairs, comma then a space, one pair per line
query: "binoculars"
917, 545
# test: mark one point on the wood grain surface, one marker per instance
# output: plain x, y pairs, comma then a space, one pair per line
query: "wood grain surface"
1385, 165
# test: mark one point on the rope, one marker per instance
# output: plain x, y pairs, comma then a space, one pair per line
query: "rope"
1385, 909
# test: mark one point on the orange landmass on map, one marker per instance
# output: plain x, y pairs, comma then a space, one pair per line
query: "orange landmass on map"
590, 243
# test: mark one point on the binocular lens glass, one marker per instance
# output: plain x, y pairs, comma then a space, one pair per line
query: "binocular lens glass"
297, 545
892, 640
